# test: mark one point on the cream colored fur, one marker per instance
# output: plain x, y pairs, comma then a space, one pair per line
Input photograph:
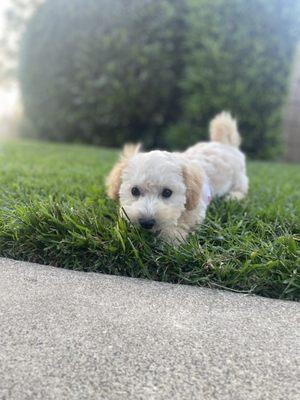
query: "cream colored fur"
218, 164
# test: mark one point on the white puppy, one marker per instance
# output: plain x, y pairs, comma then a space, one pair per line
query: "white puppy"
168, 193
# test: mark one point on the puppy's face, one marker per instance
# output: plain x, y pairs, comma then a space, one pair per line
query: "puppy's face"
153, 192
154, 189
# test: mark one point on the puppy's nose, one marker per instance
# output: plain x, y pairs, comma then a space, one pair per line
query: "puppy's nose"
147, 223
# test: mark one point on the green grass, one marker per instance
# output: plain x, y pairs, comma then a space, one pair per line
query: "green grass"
53, 210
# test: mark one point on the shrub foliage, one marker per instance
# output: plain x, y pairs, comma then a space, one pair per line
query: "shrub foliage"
107, 72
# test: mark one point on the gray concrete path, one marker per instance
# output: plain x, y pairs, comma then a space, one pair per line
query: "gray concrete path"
73, 335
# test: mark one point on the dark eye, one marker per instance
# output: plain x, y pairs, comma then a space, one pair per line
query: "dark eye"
166, 193
135, 191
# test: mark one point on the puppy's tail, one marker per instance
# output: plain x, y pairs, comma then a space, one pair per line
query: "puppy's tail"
223, 128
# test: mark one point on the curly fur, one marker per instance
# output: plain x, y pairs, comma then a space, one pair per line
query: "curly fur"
218, 164
113, 181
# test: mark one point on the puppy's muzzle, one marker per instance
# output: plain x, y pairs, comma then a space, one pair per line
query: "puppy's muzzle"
147, 223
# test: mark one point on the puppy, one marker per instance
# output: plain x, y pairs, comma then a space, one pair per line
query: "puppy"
168, 193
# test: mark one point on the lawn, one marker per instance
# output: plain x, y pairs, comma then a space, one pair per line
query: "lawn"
53, 210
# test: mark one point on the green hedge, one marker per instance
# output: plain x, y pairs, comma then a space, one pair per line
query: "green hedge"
104, 71
239, 59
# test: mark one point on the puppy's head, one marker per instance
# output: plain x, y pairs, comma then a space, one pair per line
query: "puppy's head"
154, 189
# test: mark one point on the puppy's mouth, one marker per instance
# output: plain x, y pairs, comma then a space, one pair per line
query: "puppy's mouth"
154, 231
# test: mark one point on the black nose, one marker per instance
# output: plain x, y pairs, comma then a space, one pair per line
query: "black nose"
147, 223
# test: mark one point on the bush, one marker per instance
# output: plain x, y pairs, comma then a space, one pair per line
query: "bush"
239, 56
100, 71
105, 72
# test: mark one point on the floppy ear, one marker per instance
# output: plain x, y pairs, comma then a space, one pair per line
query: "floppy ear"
114, 179
193, 179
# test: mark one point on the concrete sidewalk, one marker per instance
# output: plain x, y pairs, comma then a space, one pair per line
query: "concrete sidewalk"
73, 335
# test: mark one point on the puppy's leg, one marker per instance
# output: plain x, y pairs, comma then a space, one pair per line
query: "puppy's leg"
240, 188
174, 236
188, 222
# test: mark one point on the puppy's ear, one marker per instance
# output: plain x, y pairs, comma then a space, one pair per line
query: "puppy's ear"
193, 179
114, 179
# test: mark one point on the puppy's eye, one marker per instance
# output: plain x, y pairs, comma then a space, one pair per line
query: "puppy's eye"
166, 193
135, 191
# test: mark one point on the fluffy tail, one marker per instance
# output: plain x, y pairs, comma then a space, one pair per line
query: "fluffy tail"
223, 128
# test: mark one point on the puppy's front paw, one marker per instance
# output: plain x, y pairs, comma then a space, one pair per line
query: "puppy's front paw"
174, 236
236, 195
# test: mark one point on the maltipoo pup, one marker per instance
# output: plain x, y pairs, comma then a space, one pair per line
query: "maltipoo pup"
168, 193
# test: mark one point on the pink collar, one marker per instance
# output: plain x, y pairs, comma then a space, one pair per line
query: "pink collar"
206, 193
